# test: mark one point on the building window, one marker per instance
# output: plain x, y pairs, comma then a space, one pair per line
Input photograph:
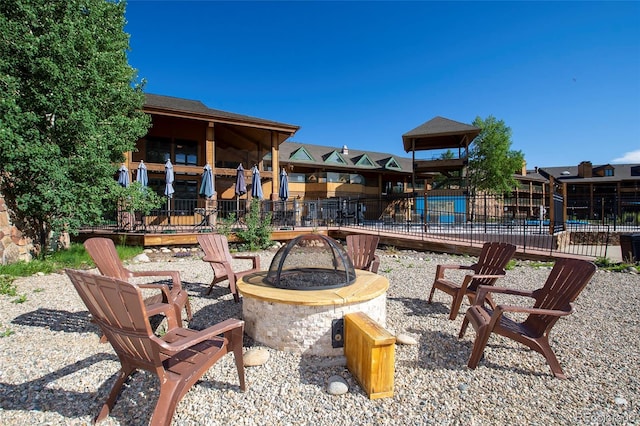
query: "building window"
186, 152
334, 157
608, 172
365, 161
158, 150
301, 154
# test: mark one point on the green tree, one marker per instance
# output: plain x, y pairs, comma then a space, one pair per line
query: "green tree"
492, 163
70, 106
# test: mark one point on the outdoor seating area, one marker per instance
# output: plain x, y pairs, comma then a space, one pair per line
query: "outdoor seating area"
435, 365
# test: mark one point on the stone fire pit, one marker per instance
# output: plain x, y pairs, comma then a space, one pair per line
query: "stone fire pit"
311, 282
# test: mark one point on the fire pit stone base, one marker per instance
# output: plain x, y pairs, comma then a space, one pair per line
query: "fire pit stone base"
300, 328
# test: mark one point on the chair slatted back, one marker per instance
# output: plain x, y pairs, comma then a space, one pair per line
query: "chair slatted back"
563, 285
104, 254
216, 247
361, 248
118, 308
492, 261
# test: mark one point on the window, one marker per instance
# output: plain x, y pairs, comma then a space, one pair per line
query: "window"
186, 152
608, 172
365, 161
158, 150
301, 154
392, 164
334, 157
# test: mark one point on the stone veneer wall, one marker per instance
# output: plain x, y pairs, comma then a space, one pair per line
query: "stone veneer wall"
13, 246
303, 329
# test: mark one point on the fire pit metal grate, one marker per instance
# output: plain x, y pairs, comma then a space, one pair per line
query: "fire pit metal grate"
311, 262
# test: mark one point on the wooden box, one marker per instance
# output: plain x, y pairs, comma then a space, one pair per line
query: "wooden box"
370, 353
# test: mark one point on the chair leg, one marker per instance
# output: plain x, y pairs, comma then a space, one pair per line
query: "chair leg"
552, 360
463, 329
482, 337
235, 337
123, 375
211, 286
433, 289
187, 308
167, 402
455, 305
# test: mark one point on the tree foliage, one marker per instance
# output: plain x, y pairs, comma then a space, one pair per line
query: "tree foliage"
70, 106
492, 163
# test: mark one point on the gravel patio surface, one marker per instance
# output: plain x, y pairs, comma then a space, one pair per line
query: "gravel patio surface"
53, 370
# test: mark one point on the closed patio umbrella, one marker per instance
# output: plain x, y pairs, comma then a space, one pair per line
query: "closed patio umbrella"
168, 189
241, 183
241, 188
256, 185
283, 193
206, 187
142, 176
123, 176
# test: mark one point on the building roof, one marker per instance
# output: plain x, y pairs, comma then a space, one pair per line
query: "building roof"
570, 173
331, 157
439, 133
197, 110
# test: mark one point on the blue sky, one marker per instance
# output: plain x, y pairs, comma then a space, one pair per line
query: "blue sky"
565, 76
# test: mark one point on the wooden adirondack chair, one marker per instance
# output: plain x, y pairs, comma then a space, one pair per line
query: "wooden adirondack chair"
216, 252
104, 255
361, 248
490, 266
179, 358
555, 299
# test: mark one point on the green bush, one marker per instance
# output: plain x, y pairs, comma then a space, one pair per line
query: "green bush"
257, 234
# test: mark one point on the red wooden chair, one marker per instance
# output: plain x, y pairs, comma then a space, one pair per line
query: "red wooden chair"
361, 249
490, 266
554, 300
104, 255
179, 358
216, 252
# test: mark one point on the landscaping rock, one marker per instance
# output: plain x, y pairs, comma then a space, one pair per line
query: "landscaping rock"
255, 357
337, 385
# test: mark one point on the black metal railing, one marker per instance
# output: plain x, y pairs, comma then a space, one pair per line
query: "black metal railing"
452, 217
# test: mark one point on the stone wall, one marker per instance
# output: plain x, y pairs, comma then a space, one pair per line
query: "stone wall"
14, 246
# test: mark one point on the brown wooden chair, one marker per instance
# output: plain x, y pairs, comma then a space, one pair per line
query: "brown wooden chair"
216, 252
104, 255
565, 282
490, 266
179, 358
361, 248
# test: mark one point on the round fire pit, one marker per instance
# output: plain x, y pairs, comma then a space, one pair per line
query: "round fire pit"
311, 262
301, 321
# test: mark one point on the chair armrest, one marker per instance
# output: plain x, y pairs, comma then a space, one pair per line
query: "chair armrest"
200, 336
167, 309
162, 287
255, 259
175, 276
529, 310
440, 269
483, 290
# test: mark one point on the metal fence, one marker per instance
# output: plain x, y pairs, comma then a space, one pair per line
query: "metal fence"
449, 217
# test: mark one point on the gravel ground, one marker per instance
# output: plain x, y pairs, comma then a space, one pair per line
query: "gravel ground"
54, 371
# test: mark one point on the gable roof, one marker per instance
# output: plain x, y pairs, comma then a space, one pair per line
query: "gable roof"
353, 160
439, 133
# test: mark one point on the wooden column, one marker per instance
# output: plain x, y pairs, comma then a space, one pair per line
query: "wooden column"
275, 164
211, 204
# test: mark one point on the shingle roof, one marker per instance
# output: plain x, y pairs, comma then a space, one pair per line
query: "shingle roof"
439, 132
193, 107
621, 172
320, 153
